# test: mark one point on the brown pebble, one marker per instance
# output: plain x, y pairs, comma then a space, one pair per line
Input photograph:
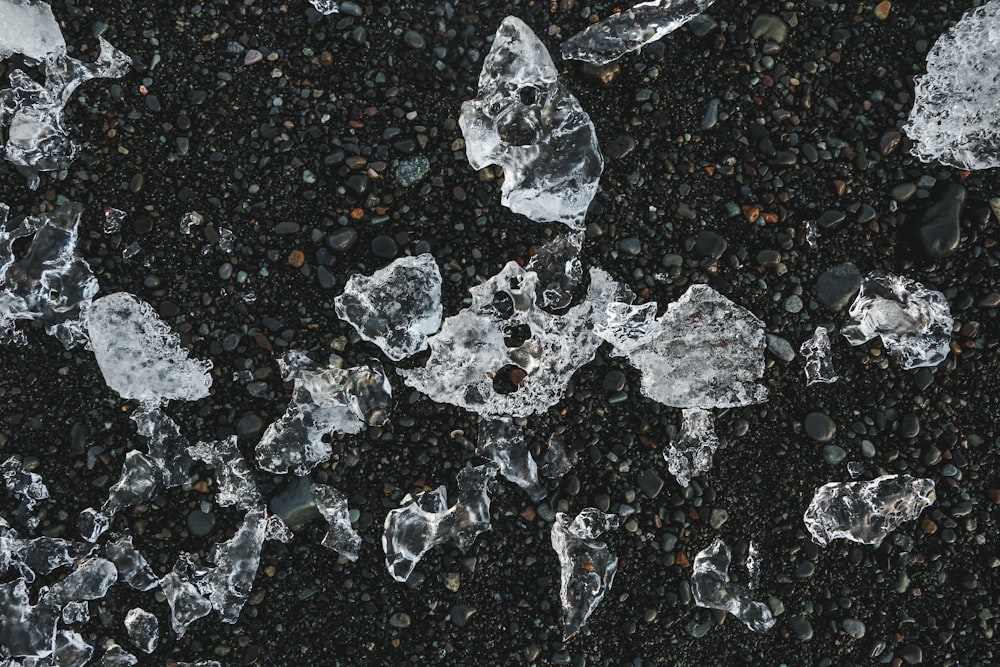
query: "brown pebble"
326, 59
840, 187
882, 10
296, 258
928, 526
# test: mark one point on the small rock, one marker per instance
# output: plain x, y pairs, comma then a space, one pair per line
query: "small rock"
650, 483
780, 348
882, 10
801, 627
820, 427
837, 286
938, 229
709, 244
769, 27
853, 627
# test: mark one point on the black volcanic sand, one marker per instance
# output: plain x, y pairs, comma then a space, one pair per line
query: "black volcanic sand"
278, 152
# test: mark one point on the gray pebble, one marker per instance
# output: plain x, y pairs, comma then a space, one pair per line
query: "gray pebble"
820, 427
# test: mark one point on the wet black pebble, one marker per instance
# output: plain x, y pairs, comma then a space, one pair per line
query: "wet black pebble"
820, 427
384, 246
937, 231
837, 286
709, 244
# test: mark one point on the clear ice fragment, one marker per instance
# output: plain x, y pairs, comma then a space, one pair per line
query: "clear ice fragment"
190, 220
27, 630
913, 322
397, 307
230, 582
691, 453
116, 656
954, 118
28, 485
587, 565
90, 581
559, 270
113, 219
40, 555
70, 650
133, 568
143, 629
630, 30
324, 401
713, 589
140, 356
325, 6
526, 121
341, 536
425, 521
555, 461
28, 27
187, 604
626, 326
502, 441
866, 511
819, 363
233, 476
76, 611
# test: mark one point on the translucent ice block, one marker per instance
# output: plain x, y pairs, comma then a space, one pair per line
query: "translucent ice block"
28, 27
28, 485
143, 629
502, 441
587, 565
691, 453
341, 536
819, 364
712, 588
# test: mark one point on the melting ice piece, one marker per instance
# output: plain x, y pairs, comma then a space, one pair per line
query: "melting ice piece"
40, 555
325, 6
819, 364
139, 356
116, 656
704, 352
89, 581
70, 650
425, 521
913, 322
954, 117
233, 476
28, 630
712, 588
189, 220
502, 441
627, 326
470, 353
143, 629
341, 537
75, 612
631, 30
113, 219
866, 512
397, 307
187, 603
691, 454
557, 265
229, 583
526, 121
28, 484
588, 567
555, 462
50, 283
132, 566
28, 27
324, 400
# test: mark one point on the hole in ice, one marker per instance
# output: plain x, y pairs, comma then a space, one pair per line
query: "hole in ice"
509, 379
516, 335
528, 95
503, 304
518, 129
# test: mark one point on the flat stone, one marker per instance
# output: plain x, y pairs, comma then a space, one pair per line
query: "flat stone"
820, 427
910, 653
832, 454
937, 230
769, 27
831, 219
650, 483
780, 348
837, 286
296, 505
709, 244
801, 627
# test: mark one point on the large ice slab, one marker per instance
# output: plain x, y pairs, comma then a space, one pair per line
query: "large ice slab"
631, 29
866, 511
341, 536
691, 453
704, 352
425, 520
526, 121
913, 322
397, 307
955, 117
325, 400
502, 441
50, 283
139, 355
712, 588
819, 363
28, 27
587, 566
28, 485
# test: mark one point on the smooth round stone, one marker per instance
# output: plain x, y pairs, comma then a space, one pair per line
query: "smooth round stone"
831, 219
614, 381
650, 483
801, 627
837, 286
200, 523
414, 39
384, 246
910, 653
769, 27
780, 348
937, 231
793, 304
820, 427
249, 426
903, 192
910, 426
630, 246
832, 454
342, 240
805, 569
769, 258
709, 244
853, 627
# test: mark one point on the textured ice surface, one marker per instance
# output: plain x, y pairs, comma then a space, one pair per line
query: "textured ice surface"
28, 485
324, 401
116, 656
397, 307
325, 6
691, 453
555, 461
229, 583
341, 536
470, 352
143, 629
91, 580
187, 604
28, 27
113, 219
140, 356
866, 511
913, 322
40, 555
526, 121
557, 265
955, 117
70, 651
630, 30
587, 566
425, 521
50, 283
233, 477
819, 363
27, 629
76, 612
133, 569
712, 588
704, 352
502, 441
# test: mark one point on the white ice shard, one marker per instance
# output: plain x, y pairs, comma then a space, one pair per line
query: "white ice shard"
587, 565
692, 451
954, 118
325, 6
233, 476
27, 630
913, 322
187, 603
526, 121
712, 588
555, 462
28, 485
866, 511
559, 270
91, 580
325, 400
630, 30
132, 566
397, 307
139, 355
819, 363
425, 520
502, 441
341, 536
113, 219
143, 629
69, 650
472, 353
28, 27
50, 283
116, 656
229, 583
76, 611
704, 352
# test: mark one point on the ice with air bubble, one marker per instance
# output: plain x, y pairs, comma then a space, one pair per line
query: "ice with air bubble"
691, 453
712, 587
143, 629
819, 362
341, 536
235, 484
28, 485
502, 441
587, 566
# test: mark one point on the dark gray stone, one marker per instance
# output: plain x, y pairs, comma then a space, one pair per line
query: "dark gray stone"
938, 229
837, 286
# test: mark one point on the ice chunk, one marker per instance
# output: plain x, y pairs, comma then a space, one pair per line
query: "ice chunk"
588, 567
70, 650
116, 656
90, 581
470, 356
132, 566
190, 220
397, 307
341, 537
233, 476
277, 530
236, 563
557, 265
691, 453
325, 6
187, 604
704, 352
30, 487
324, 401
113, 219
555, 462
628, 327
954, 117
143, 629
50, 283
712, 588
139, 356
913, 322
631, 30
75, 612
502, 441
425, 521
28, 27
867, 511
27, 630
819, 364
526, 121
40, 555
166, 446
